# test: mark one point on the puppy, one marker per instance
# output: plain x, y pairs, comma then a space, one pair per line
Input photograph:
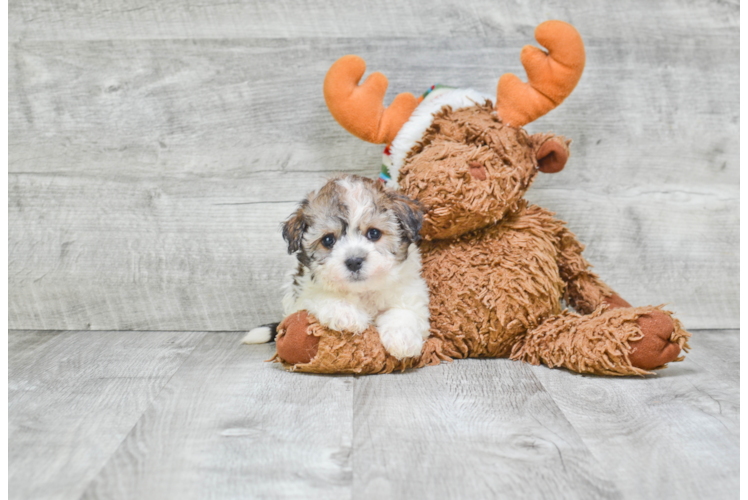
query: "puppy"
359, 264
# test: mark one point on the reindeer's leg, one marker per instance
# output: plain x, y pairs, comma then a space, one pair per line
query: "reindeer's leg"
602, 342
661, 337
303, 344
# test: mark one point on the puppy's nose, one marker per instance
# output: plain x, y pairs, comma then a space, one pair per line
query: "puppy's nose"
354, 263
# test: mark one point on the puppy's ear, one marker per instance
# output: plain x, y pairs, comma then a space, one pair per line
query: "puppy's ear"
409, 214
295, 227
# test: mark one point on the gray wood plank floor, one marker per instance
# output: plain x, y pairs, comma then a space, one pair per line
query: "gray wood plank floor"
158, 415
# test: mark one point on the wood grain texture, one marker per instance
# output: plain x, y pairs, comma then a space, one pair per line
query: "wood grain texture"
228, 425
469, 429
676, 435
73, 397
133, 130
137, 252
654, 111
102, 19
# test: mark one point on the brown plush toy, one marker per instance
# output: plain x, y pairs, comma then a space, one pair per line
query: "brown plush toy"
497, 267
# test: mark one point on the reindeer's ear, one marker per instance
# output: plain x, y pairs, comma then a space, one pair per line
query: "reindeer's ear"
551, 152
295, 227
409, 215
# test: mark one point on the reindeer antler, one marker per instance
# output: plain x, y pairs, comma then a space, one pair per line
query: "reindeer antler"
552, 76
360, 109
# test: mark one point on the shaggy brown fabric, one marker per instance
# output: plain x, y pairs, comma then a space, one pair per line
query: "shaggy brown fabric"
490, 286
599, 342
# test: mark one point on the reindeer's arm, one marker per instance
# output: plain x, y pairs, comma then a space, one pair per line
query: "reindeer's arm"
585, 291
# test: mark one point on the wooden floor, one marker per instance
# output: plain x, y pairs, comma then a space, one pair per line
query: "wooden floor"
159, 415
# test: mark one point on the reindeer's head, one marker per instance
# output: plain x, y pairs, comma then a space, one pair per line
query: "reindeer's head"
467, 162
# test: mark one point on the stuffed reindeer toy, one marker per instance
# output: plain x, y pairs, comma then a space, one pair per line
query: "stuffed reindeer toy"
497, 267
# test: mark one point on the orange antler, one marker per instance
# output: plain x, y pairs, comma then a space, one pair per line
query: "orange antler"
360, 109
551, 76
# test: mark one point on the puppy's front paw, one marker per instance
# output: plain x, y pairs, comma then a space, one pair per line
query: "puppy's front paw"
402, 332
341, 316
400, 341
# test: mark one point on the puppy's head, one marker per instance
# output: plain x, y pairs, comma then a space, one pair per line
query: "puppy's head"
353, 232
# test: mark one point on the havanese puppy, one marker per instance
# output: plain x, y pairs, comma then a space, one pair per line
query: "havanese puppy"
359, 264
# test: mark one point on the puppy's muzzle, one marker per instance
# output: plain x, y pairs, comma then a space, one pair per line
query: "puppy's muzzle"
354, 263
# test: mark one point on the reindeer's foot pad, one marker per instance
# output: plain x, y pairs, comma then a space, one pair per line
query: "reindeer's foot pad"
303, 344
661, 342
295, 342
623, 341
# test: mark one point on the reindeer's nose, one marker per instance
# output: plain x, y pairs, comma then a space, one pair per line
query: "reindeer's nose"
477, 170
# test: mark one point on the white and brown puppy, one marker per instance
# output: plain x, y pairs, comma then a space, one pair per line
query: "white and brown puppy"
359, 264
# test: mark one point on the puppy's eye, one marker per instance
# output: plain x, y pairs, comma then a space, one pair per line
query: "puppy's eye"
328, 240
373, 234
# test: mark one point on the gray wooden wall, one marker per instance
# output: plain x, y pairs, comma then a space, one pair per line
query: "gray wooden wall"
155, 146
